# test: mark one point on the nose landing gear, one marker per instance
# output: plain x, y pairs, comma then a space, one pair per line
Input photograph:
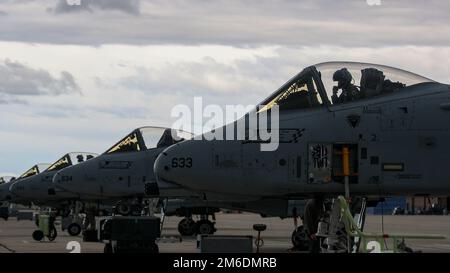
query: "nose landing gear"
129, 207
74, 229
205, 227
71, 219
189, 227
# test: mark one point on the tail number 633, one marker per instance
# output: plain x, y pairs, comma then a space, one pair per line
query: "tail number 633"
181, 162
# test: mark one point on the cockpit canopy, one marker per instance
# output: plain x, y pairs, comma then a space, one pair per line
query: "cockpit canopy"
340, 82
36, 169
365, 80
6, 179
70, 159
146, 138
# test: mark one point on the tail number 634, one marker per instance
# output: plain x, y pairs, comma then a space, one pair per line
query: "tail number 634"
181, 162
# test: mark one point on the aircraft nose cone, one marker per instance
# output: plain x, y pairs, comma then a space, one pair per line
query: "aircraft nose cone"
171, 165
184, 164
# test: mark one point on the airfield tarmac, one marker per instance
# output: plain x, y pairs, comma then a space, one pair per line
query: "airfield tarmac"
15, 236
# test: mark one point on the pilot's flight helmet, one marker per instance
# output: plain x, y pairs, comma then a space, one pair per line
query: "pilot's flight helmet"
80, 158
342, 76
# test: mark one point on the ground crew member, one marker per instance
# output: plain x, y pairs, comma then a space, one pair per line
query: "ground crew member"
311, 217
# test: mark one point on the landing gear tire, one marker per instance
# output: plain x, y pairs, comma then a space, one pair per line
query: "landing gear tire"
123, 209
205, 227
74, 229
187, 227
300, 239
52, 234
38, 235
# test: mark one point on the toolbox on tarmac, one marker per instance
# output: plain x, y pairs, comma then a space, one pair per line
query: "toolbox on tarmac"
130, 233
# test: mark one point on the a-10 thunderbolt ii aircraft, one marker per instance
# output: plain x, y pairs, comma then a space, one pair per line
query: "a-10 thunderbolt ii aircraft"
362, 129
39, 188
124, 172
8, 196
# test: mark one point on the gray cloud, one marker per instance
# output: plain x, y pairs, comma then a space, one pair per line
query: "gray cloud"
127, 6
6, 99
214, 81
17, 79
233, 22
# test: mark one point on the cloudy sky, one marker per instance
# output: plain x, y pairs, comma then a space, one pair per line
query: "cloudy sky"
79, 77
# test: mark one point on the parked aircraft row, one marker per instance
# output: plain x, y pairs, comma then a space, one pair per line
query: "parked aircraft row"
385, 134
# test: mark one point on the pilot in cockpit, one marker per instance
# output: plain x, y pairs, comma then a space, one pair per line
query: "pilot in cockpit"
349, 91
80, 158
